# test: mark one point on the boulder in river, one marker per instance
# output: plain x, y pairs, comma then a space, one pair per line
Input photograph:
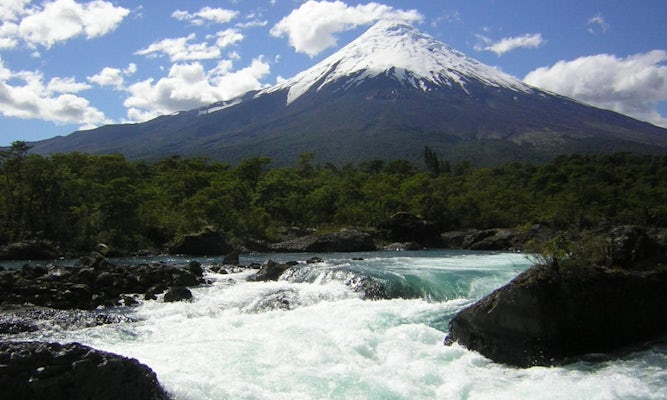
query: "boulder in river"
29, 250
406, 227
345, 240
94, 282
270, 271
549, 315
178, 293
206, 243
53, 371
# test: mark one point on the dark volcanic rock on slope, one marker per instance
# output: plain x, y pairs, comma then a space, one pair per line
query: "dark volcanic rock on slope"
547, 315
52, 371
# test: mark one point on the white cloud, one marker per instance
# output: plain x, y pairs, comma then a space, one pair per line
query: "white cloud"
597, 21
12, 9
65, 85
228, 37
502, 46
188, 86
62, 20
206, 14
24, 95
180, 49
633, 85
252, 23
312, 27
113, 76
8, 35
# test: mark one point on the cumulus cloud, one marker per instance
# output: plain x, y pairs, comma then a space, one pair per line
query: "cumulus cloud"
228, 37
188, 86
633, 85
181, 49
313, 26
61, 20
65, 85
206, 14
24, 94
11, 9
8, 35
502, 46
114, 77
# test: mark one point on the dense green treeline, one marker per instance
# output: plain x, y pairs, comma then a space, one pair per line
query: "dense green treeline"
79, 200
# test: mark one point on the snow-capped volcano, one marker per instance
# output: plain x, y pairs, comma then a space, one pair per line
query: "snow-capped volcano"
385, 96
402, 52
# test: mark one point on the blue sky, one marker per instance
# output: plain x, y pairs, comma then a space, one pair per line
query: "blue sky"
75, 64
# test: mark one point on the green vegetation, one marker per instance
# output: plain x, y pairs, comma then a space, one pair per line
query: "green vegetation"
79, 200
571, 249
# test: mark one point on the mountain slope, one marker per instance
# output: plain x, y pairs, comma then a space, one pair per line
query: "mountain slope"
386, 95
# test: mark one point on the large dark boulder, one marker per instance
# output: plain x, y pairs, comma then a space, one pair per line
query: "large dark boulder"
29, 250
496, 239
270, 271
490, 239
406, 227
35, 371
206, 243
346, 240
630, 246
549, 315
178, 293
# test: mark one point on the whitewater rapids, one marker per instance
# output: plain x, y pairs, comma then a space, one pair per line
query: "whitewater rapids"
311, 335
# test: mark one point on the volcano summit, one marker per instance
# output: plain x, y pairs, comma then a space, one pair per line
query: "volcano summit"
385, 95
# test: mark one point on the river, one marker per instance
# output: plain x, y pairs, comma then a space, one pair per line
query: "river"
310, 335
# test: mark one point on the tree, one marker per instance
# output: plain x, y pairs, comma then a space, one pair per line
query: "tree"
11, 168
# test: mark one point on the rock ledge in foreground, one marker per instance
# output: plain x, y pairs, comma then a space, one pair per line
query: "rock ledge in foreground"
547, 316
34, 370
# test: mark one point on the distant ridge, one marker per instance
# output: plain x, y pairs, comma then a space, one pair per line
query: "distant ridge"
385, 95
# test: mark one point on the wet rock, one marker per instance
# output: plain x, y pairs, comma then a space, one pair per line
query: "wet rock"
87, 287
178, 293
496, 239
18, 319
455, 239
35, 371
29, 250
195, 268
270, 271
631, 247
491, 239
550, 316
283, 299
346, 240
231, 258
403, 246
206, 243
406, 227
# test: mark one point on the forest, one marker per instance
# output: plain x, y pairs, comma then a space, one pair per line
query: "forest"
78, 200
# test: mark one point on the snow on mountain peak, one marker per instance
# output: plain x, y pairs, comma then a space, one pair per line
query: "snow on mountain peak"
402, 52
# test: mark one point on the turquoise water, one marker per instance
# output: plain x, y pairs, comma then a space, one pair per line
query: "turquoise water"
312, 335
